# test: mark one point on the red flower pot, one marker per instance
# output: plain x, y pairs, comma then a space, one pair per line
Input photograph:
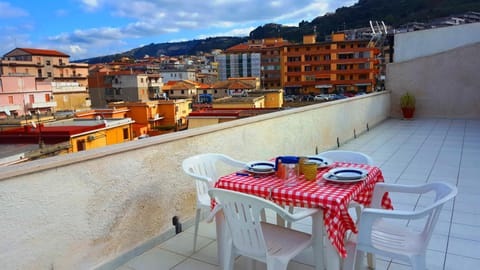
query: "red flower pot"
408, 112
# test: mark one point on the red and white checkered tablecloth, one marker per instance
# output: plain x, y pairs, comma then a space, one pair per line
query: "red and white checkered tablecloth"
332, 197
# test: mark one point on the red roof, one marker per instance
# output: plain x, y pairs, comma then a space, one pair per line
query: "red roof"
43, 52
49, 134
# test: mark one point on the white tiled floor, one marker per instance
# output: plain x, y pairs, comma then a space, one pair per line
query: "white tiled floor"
418, 151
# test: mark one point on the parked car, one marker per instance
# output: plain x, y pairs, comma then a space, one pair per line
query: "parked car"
337, 96
321, 97
289, 98
308, 98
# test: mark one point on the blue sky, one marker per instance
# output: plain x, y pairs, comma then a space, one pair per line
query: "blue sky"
89, 28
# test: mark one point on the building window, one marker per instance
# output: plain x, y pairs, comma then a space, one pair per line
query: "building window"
125, 134
118, 91
47, 97
48, 63
49, 74
182, 92
80, 145
10, 99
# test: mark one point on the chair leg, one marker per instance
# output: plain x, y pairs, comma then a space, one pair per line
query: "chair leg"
371, 260
197, 223
291, 209
359, 260
273, 264
418, 263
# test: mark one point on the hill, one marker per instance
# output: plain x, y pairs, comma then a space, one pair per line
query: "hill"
394, 13
192, 47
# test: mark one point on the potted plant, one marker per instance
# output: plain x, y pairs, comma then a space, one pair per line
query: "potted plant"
407, 104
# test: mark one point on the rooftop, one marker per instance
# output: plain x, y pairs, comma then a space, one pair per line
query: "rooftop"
408, 152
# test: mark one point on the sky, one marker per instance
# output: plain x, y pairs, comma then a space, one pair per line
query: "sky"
90, 28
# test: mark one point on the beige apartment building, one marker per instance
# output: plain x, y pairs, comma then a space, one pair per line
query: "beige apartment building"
69, 80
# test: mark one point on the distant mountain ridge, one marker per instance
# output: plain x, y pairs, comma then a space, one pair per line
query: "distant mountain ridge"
192, 47
392, 12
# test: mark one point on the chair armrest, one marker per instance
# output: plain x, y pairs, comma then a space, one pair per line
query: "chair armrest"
307, 212
218, 207
233, 162
200, 177
381, 188
373, 213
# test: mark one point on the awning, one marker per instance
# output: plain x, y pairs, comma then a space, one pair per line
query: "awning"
323, 86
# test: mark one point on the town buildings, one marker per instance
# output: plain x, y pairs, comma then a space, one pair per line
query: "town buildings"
22, 96
69, 136
114, 86
268, 49
69, 80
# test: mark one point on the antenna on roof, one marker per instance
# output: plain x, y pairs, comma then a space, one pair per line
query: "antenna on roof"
379, 33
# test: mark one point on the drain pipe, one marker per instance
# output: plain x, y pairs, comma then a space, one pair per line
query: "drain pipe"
177, 224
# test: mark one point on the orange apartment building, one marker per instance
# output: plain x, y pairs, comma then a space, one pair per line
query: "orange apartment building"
69, 80
337, 66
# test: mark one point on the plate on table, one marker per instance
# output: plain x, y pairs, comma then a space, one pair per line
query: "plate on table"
260, 167
321, 161
346, 175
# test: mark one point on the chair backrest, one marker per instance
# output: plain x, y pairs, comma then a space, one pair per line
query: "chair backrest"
347, 156
242, 214
203, 168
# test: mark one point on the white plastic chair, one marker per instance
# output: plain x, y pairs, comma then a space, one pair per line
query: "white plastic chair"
273, 244
379, 234
347, 156
203, 168
352, 157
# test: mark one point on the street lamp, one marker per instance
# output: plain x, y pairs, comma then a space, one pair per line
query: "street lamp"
40, 142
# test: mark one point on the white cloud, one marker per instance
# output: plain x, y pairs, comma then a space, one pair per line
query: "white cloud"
9, 11
239, 32
150, 19
90, 4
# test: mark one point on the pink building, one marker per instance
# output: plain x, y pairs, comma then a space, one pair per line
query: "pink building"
20, 94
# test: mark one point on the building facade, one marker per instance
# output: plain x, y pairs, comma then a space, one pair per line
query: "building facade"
123, 86
22, 96
338, 66
269, 50
178, 74
238, 65
54, 67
